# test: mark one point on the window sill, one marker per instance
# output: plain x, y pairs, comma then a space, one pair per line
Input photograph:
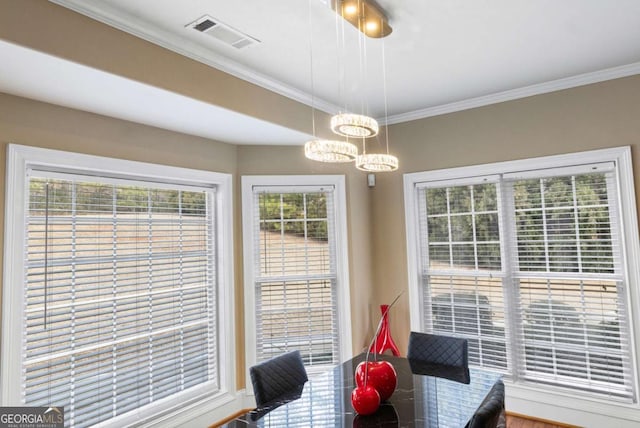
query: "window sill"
202, 411
574, 409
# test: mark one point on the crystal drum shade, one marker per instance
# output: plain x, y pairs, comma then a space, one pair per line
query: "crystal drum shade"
377, 162
354, 125
330, 151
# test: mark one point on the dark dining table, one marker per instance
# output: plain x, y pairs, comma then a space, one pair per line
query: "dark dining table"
425, 396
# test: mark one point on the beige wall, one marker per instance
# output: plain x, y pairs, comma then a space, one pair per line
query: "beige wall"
590, 117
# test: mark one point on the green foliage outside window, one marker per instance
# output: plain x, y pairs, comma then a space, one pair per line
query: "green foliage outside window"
301, 214
571, 214
97, 198
562, 224
463, 226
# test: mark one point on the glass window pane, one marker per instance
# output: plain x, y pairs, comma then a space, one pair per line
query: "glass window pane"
117, 275
436, 201
562, 247
526, 194
295, 309
461, 228
489, 256
438, 229
293, 206
487, 227
484, 197
572, 327
439, 256
463, 256
460, 199
473, 308
316, 205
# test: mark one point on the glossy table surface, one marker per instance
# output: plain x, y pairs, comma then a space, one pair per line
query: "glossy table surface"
439, 397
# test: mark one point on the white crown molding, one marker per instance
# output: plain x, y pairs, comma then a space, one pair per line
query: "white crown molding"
139, 28
514, 94
103, 13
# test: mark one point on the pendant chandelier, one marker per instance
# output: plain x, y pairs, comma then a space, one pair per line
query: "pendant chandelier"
352, 125
330, 151
377, 162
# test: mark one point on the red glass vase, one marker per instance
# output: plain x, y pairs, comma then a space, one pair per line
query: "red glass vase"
384, 340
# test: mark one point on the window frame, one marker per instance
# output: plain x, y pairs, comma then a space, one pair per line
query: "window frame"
342, 270
522, 397
22, 158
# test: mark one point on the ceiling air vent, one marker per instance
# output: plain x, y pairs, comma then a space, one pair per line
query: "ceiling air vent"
222, 32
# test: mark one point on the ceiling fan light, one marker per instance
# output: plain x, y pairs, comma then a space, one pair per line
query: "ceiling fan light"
354, 125
330, 151
377, 162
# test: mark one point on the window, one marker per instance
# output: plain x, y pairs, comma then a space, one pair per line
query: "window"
120, 290
526, 260
295, 268
462, 276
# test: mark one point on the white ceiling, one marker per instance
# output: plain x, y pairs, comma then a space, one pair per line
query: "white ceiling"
443, 55
50, 79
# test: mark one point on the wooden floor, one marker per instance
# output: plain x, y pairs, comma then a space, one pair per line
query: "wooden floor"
516, 421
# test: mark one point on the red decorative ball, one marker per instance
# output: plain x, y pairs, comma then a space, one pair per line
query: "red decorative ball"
382, 376
365, 400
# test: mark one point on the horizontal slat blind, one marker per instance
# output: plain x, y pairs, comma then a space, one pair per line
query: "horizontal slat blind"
326, 410
295, 274
462, 269
120, 296
528, 266
572, 298
563, 224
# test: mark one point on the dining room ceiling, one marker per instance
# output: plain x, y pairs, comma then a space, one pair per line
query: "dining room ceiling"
442, 56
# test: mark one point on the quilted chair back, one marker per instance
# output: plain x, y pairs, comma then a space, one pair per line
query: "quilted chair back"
490, 414
277, 377
436, 349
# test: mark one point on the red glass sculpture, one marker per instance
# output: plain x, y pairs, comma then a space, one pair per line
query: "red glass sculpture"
365, 399
384, 340
380, 374
375, 380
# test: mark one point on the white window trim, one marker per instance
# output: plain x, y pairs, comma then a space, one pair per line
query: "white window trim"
342, 269
526, 399
19, 159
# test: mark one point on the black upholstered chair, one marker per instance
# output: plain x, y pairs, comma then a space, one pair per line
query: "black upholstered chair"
278, 377
490, 414
436, 349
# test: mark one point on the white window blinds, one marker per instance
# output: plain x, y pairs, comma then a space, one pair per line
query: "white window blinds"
295, 273
527, 267
120, 294
461, 269
567, 273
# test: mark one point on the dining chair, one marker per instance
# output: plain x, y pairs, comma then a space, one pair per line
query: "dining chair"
490, 414
437, 349
277, 377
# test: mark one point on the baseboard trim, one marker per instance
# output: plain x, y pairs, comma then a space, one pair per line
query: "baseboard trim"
229, 418
546, 421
